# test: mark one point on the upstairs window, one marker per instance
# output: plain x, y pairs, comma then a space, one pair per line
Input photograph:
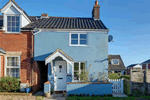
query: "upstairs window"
13, 23
78, 39
115, 61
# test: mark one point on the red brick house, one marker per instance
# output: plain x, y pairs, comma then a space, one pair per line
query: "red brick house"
16, 45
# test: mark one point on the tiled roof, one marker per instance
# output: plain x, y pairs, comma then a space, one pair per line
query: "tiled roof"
116, 67
66, 23
147, 61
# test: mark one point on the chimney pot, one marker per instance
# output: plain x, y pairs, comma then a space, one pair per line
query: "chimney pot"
96, 2
44, 15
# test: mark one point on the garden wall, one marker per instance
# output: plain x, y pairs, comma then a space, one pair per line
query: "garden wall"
96, 88
140, 80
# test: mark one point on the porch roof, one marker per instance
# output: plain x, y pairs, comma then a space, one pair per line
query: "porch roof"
57, 53
2, 51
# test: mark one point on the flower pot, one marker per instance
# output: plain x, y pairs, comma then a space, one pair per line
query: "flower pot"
47, 94
28, 90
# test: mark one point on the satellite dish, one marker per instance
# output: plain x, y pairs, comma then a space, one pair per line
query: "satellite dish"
110, 38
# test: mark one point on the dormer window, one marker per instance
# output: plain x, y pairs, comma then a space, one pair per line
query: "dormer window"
13, 23
115, 61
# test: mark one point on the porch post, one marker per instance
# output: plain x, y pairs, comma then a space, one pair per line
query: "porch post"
52, 70
67, 68
48, 72
72, 71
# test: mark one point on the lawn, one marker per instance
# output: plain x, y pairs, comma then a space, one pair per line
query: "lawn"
107, 98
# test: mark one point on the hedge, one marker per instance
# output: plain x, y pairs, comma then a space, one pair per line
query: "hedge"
9, 84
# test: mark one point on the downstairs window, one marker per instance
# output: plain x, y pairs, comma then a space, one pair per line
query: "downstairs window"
13, 66
79, 67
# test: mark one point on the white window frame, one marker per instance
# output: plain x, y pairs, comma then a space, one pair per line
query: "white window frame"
113, 63
78, 39
7, 21
79, 70
12, 66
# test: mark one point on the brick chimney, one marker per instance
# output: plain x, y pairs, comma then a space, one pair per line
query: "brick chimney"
96, 11
44, 15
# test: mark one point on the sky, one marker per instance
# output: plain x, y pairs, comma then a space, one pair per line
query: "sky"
127, 20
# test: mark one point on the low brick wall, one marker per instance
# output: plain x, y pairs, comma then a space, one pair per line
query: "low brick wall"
91, 88
13, 94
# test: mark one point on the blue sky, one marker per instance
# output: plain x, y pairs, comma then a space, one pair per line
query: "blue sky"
128, 21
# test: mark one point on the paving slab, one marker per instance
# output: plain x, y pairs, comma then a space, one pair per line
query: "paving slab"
120, 95
56, 98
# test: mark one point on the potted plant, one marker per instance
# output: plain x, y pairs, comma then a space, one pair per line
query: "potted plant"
47, 94
28, 88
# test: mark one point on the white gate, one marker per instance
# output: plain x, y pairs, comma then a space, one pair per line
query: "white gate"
117, 86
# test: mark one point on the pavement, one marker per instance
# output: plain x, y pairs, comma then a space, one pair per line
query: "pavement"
120, 95
56, 98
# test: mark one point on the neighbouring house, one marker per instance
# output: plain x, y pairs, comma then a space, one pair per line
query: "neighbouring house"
133, 66
116, 64
56, 49
146, 64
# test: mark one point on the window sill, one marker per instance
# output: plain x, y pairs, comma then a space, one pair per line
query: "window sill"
12, 33
79, 45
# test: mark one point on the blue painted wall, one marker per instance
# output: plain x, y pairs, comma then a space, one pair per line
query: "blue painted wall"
97, 89
96, 53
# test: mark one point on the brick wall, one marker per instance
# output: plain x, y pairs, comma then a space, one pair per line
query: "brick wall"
20, 42
2, 65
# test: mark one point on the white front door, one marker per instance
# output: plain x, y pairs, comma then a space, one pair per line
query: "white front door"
60, 76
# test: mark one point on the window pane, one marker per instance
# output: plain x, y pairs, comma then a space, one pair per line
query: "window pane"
17, 29
74, 36
82, 67
7, 71
9, 18
17, 18
76, 76
17, 23
76, 66
9, 24
13, 29
13, 24
116, 61
82, 36
83, 42
74, 41
13, 18
12, 61
8, 29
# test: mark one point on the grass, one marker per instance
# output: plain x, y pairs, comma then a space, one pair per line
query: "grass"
107, 98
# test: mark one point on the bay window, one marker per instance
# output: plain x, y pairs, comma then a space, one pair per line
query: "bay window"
13, 23
13, 66
79, 67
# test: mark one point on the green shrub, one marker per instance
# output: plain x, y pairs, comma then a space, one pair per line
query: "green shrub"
9, 84
104, 95
125, 77
84, 94
88, 95
113, 76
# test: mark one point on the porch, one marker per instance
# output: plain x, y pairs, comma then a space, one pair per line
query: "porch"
60, 70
